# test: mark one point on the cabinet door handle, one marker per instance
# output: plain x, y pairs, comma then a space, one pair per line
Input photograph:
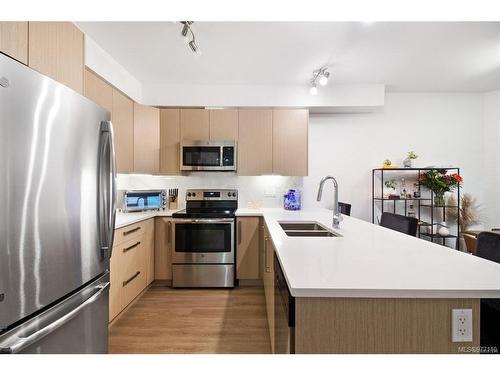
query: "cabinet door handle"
266, 239
131, 231
169, 232
132, 278
131, 247
239, 232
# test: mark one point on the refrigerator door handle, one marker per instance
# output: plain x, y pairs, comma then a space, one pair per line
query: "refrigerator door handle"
23, 342
107, 189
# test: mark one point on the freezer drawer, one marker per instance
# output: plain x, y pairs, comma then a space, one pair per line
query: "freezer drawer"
76, 325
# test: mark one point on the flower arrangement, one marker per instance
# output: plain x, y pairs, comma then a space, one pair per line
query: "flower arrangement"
439, 182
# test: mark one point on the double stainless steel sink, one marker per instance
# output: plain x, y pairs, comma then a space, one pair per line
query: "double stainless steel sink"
306, 229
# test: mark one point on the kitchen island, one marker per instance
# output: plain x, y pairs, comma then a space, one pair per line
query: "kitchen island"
374, 290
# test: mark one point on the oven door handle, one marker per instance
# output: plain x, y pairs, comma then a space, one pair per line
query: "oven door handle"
204, 221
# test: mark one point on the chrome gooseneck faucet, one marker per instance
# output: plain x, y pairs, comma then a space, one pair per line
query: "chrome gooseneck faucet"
337, 216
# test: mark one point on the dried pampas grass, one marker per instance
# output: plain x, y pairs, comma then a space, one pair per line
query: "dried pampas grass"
469, 211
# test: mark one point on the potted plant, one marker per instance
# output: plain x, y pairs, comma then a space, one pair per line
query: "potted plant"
439, 182
391, 185
411, 156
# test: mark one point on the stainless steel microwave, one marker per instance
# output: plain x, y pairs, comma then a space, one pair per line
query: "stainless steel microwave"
208, 156
143, 200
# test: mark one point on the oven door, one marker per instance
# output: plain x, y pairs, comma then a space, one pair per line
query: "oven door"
203, 241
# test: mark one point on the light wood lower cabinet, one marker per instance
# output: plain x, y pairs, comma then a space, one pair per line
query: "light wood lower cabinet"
14, 40
163, 248
268, 278
56, 49
132, 264
248, 248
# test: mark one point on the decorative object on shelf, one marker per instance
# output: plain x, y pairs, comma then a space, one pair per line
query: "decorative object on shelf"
411, 156
388, 164
411, 210
439, 182
443, 229
416, 191
391, 185
291, 200
469, 211
402, 189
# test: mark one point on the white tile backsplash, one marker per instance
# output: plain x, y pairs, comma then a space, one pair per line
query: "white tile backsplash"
253, 191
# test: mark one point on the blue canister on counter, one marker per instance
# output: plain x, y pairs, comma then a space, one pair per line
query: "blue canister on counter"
291, 200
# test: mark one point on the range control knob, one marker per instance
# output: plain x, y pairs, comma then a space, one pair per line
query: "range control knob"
228, 194
234, 194
188, 194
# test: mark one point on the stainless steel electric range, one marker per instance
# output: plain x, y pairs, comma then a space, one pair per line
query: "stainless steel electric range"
204, 240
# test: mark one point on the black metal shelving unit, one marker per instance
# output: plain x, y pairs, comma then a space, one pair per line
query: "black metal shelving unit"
425, 205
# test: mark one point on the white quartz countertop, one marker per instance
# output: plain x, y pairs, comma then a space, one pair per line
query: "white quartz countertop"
367, 260
126, 218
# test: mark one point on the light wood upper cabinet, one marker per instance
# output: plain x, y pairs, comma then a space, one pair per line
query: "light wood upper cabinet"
224, 124
248, 246
290, 132
255, 142
123, 126
14, 40
146, 139
56, 49
163, 248
195, 124
170, 135
98, 90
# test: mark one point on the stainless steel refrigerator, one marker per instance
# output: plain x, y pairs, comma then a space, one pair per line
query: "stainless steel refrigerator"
57, 212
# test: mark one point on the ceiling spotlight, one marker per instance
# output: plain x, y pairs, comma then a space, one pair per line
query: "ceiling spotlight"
189, 37
323, 80
194, 47
320, 76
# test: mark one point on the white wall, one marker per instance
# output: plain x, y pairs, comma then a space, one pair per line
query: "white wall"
442, 129
492, 158
107, 67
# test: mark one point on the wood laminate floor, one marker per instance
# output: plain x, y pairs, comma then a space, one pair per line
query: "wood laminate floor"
166, 320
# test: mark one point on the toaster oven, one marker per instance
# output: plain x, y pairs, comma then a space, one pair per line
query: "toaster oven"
143, 200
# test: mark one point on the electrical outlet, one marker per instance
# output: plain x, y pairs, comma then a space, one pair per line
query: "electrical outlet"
461, 325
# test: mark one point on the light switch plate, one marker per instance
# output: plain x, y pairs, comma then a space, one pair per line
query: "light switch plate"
461, 325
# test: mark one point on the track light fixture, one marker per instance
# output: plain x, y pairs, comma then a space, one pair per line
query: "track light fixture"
187, 32
320, 76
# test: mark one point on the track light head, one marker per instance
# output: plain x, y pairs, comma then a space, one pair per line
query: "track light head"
319, 76
189, 37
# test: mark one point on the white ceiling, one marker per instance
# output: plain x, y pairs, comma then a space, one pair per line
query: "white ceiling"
406, 56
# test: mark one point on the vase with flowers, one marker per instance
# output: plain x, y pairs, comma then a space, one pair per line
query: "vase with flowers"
440, 182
